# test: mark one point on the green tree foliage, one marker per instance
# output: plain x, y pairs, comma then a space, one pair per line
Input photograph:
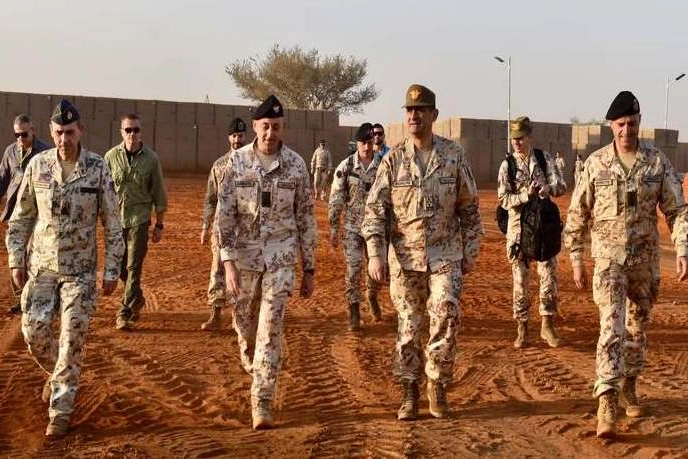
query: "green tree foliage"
305, 80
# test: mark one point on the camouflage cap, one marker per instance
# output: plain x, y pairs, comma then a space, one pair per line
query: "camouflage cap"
418, 95
64, 113
520, 127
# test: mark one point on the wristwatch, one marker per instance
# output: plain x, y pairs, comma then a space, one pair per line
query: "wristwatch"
159, 226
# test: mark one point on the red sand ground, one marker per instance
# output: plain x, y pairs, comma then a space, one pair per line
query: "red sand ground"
168, 389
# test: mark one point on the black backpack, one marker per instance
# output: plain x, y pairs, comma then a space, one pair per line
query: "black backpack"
540, 224
502, 215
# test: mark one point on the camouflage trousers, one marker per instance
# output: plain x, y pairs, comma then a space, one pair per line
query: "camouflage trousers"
258, 319
320, 182
216, 285
520, 271
355, 253
44, 296
414, 293
624, 296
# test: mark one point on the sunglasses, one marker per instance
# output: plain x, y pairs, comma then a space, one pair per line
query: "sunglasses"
378, 133
23, 135
135, 130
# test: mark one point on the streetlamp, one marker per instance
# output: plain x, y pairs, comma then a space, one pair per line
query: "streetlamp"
507, 62
666, 97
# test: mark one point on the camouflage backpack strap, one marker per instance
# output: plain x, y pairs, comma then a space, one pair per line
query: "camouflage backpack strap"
542, 162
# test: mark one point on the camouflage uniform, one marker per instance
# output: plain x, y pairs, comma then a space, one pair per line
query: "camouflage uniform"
264, 221
578, 170
433, 223
321, 165
561, 165
216, 285
620, 210
527, 172
349, 192
61, 218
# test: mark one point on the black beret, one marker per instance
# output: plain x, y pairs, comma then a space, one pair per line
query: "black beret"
237, 125
270, 108
364, 132
624, 104
64, 113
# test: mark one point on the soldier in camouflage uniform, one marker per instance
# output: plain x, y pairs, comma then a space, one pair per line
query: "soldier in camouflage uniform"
353, 179
577, 169
216, 285
264, 222
321, 165
63, 193
617, 197
529, 180
14, 161
425, 196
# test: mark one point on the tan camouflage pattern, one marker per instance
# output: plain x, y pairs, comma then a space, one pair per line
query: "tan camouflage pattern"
356, 262
45, 298
212, 187
528, 171
415, 293
351, 200
266, 238
62, 218
433, 218
578, 170
620, 231
216, 285
549, 296
624, 295
258, 322
561, 168
321, 165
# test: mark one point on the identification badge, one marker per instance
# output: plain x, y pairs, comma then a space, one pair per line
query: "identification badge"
631, 198
265, 199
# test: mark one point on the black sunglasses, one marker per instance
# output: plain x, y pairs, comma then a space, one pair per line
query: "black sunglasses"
378, 133
23, 135
135, 130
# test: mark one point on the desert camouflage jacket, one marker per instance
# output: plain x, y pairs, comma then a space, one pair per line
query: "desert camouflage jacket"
620, 209
264, 218
62, 217
322, 159
350, 189
433, 217
214, 178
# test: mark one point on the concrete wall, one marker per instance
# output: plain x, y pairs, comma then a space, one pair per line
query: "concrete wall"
188, 137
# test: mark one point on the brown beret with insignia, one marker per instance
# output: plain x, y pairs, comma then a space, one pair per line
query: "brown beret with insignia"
64, 113
624, 104
270, 108
418, 95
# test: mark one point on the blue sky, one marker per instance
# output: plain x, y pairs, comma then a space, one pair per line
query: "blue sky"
568, 58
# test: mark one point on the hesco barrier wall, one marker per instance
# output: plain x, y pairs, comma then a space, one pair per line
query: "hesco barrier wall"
188, 137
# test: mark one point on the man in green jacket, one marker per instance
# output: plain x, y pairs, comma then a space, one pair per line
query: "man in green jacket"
139, 185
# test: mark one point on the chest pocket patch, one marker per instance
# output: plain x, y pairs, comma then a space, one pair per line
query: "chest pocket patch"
244, 183
446, 180
652, 179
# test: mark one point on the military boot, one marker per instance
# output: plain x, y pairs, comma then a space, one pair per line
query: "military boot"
57, 427
214, 323
354, 317
374, 306
629, 398
607, 413
262, 415
522, 337
408, 411
548, 333
437, 396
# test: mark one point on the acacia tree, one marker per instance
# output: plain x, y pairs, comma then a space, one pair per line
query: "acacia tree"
305, 80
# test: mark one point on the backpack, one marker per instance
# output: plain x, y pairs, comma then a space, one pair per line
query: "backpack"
541, 225
502, 215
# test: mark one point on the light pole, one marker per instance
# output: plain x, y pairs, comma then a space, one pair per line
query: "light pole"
666, 97
507, 62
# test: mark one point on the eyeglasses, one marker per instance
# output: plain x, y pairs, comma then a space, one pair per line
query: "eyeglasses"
23, 135
378, 133
135, 130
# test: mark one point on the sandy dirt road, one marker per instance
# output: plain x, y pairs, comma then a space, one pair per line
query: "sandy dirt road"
168, 389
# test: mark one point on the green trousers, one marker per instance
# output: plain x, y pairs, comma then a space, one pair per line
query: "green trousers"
136, 247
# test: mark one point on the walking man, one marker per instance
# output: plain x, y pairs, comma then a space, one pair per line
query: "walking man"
321, 165
616, 199
380, 148
264, 222
139, 185
64, 192
425, 198
216, 285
